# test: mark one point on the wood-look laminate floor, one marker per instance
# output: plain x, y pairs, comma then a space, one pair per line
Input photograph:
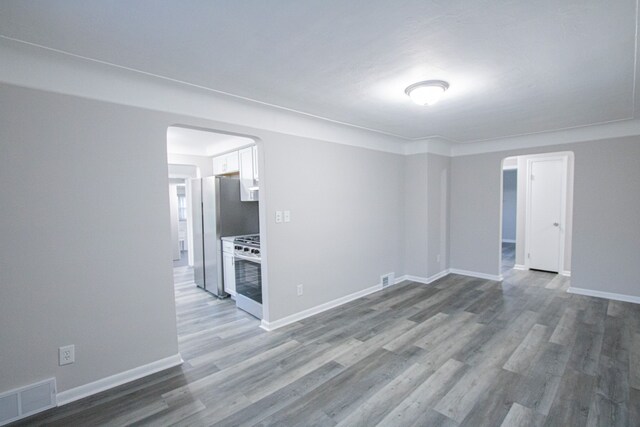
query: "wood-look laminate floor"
458, 352
508, 256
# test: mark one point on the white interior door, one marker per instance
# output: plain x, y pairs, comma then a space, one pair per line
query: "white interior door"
546, 208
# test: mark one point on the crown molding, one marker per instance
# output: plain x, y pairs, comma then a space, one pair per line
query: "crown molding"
434, 145
36, 67
609, 130
617, 129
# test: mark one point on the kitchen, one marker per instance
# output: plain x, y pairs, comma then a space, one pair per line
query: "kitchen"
222, 220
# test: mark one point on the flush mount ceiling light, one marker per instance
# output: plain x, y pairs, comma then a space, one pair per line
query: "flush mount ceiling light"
427, 92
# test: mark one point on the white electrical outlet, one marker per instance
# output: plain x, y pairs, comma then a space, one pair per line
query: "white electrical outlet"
287, 216
278, 217
300, 290
67, 355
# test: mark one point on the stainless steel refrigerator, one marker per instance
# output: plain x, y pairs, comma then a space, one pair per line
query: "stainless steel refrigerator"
217, 212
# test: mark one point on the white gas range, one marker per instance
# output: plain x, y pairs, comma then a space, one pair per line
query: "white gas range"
248, 274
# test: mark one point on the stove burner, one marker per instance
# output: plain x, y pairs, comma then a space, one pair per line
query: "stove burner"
252, 240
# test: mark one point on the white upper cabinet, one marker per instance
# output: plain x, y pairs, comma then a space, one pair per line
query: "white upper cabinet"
226, 163
248, 182
233, 163
245, 162
255, 163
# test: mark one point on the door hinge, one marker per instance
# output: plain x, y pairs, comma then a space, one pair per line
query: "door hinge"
529, 255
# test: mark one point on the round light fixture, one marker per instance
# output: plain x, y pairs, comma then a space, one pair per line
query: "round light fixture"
427, 92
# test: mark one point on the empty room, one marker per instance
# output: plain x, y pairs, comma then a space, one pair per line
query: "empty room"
319, 213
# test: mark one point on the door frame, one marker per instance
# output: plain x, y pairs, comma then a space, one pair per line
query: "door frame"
563, 208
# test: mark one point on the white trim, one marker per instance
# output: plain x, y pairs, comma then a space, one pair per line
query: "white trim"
270, 326
564, 158
116, 380
497, 278
437, 276
606, 295
520, 267
508, 241
592, 132
566, 273
39, 67
423, 280
433, 146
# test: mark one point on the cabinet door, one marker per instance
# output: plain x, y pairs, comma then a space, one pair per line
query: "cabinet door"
247, 183
233, 164
219, 165
229, 271
255, 162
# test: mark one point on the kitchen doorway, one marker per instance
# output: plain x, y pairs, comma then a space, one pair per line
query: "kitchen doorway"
222, 205
537, 212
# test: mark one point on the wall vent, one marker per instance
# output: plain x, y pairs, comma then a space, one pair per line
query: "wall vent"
387, 280
26, 401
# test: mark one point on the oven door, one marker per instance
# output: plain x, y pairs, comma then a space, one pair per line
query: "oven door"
248, 285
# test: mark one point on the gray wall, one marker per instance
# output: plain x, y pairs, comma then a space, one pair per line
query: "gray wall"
606, 182
345, 230
415, 212
204, 163
88, 211
86, 208
426, 214
509, 204
438, 193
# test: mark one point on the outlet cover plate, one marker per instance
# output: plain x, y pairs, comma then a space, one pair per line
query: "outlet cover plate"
67, 355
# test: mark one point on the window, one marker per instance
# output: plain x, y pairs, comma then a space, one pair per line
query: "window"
182, 208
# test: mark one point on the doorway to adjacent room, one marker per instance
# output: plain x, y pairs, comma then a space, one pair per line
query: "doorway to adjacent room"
537, 211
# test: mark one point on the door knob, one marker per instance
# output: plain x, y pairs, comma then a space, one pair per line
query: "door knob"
555, 224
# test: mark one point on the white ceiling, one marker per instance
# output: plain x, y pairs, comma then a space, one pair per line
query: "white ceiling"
515, 67
194, 142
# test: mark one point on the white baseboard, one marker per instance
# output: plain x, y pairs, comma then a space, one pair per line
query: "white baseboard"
270, 326
606, 295
508, 241
423, 280
565, 273
497, 278
402, 279
520, 267
112, 381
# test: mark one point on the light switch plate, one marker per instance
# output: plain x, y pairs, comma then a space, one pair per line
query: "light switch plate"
287, 216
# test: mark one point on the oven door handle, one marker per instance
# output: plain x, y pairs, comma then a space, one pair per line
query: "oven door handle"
246, 258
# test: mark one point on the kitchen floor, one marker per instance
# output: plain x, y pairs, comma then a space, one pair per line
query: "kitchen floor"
461, 351
183, 261
508, 256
